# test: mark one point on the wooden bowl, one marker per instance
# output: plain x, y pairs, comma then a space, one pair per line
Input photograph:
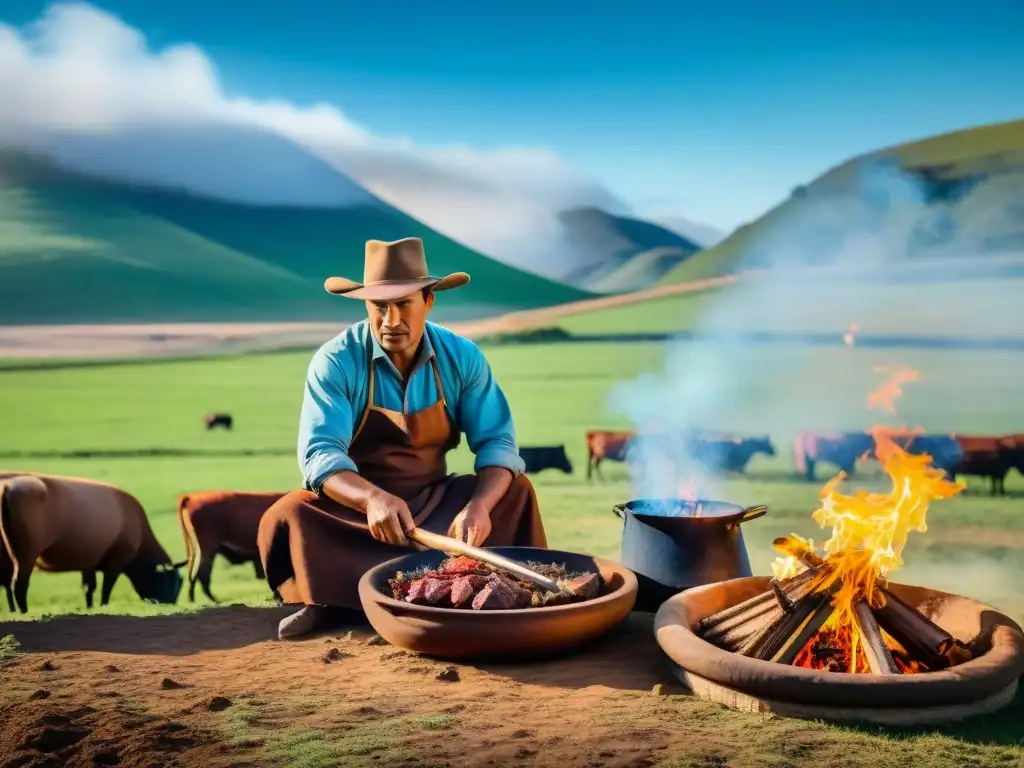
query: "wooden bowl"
459, 634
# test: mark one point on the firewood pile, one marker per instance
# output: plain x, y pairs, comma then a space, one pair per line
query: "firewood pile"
795, 623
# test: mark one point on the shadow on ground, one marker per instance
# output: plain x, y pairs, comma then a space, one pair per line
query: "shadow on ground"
182, 634
627, 659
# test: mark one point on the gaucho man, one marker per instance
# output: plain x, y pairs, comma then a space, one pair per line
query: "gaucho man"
384, 403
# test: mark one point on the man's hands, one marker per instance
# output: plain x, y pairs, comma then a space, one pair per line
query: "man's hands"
472, 525
388, 518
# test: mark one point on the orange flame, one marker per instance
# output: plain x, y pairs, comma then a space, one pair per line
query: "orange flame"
870, 530
869, 533
886, 392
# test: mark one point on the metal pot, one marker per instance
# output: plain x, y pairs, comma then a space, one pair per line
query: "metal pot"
670, 549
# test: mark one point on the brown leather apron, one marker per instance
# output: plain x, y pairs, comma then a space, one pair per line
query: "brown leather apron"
314, 550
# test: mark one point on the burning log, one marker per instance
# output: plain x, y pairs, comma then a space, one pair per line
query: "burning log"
758, 613
879, 657
772, 640
844, 620
820, 613
755, 605
923, 644
733, 638
922, 637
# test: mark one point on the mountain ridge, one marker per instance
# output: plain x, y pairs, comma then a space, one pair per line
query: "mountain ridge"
141, 249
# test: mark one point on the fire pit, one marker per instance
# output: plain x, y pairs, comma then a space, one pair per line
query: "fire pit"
831, 636
985, 683
458, 634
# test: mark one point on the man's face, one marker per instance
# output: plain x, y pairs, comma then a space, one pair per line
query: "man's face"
399, 325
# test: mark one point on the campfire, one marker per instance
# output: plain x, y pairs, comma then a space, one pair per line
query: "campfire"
831, 611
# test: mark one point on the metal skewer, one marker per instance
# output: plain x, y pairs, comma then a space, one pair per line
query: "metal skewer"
456, 547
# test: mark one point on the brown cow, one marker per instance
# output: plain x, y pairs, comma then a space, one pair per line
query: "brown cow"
221, 522
603, 445
6, 575
988, 456
61, 524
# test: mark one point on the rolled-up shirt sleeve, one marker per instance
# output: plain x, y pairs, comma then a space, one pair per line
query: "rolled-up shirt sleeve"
485, 416
326, 422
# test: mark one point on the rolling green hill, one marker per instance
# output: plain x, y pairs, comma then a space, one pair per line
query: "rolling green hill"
949, 195
74, 249
622, 254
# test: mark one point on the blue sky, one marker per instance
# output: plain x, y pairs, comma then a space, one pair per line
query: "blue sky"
710, 110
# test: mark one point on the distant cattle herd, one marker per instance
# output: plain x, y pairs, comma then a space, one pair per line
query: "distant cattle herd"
62, 524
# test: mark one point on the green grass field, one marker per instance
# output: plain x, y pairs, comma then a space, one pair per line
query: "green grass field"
139, 426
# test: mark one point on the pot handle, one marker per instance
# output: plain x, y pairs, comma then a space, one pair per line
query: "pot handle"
619, 510
752, 513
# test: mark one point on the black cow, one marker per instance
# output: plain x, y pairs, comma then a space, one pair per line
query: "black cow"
841, 449
945, 450
213, 420
545, 457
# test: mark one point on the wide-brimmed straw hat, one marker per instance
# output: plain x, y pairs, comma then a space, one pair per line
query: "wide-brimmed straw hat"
393, 270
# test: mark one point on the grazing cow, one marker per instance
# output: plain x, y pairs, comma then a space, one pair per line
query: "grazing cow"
603, 445
61, 524
225, 523
983, 456
213, 420
729, 454
547, 457
843, 449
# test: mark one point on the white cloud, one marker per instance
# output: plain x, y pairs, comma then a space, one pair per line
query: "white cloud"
78, 81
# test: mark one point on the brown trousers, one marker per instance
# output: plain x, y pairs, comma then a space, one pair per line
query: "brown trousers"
314, 550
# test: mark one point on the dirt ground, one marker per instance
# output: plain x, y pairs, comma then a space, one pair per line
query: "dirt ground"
210, 688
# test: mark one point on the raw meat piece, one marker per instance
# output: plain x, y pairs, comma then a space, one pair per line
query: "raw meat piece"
522, 596
585, 586
462, 582
462, 565
417, 591
496, 595
464, 589
437, 590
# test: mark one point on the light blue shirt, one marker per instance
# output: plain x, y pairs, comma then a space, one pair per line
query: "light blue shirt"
336, 395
